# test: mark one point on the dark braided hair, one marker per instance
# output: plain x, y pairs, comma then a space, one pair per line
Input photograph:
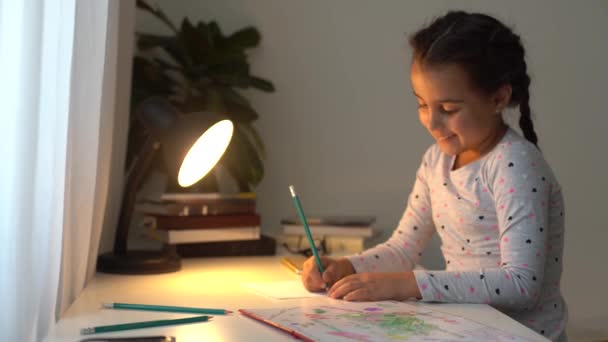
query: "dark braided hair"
490, 53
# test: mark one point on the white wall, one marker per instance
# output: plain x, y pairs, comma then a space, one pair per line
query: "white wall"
342, 126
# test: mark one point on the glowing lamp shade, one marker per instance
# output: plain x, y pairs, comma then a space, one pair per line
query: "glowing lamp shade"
191, 144
205, 153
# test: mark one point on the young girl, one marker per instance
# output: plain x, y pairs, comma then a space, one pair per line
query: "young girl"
487, 191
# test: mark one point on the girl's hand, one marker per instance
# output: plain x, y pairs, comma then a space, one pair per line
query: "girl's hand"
376, 286
335, 269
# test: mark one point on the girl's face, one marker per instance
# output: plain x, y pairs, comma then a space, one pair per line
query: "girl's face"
464, 121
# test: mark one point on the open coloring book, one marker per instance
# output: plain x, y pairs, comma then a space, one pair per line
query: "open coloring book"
375, 321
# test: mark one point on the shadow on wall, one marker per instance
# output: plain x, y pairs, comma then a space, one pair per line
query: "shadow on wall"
578, 332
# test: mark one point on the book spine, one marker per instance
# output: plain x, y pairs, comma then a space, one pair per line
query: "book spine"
171, 222
228, 208
200, 208
334, 244
209, 235
320, 231
263, 246
212, 208
197, 197
341, 245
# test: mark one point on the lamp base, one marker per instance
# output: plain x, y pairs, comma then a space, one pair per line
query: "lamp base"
139, 262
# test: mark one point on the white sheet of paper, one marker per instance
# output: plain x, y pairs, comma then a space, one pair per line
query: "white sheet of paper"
339, 320
281, 289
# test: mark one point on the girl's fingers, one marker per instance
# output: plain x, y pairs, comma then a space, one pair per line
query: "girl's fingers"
310, 276
312, 279
325, 261
330, 275
358, 295
337, 270
309, 283
343, 287
343, 280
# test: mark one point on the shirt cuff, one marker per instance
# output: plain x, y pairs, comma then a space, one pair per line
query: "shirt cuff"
358, 262
424, 285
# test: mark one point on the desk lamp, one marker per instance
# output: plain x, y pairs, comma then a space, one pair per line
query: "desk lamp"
192, 144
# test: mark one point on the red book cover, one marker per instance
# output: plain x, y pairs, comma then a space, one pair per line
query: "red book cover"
173, 222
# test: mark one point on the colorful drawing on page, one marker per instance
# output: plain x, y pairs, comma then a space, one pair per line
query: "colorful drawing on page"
376, 321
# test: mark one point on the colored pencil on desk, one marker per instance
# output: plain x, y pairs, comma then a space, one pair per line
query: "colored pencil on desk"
165, 308
286, 329
140, 325
296, 201
291, 265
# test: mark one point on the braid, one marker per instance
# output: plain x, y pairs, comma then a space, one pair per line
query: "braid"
521, 93
525, 120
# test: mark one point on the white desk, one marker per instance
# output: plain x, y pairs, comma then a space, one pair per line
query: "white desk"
213, 283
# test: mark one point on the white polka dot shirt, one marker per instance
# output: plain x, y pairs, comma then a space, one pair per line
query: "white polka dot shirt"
501, 224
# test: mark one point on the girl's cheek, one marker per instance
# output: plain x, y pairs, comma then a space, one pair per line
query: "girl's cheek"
424, 119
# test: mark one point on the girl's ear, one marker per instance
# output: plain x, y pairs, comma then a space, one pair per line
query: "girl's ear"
502, 97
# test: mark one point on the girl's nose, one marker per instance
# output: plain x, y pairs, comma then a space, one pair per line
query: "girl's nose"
434, 120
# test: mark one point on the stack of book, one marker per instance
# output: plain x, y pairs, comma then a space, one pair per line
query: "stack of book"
192, 204
341, 234
193, 221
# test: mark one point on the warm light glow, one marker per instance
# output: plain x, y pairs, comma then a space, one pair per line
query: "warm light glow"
205, 153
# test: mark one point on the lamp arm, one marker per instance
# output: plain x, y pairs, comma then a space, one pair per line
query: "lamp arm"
134, 179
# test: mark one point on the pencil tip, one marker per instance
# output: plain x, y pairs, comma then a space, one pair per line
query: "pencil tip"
227, 311
87, 331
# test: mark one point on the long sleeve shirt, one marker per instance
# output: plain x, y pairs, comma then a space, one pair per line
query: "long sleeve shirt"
501, 224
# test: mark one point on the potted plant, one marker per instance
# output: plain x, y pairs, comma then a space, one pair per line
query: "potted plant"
199, 68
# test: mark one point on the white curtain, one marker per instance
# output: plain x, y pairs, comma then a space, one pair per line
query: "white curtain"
57, 63
89, 143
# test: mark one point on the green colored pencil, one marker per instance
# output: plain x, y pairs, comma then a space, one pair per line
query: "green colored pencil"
165, 308
296, 201
140, 325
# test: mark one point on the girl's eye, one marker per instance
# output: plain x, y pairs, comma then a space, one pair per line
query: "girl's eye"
422, 105
449, 110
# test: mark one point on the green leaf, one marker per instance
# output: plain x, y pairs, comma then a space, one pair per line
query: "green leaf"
256, 166
248, 37
242, 161
235, 67
218, 66
166, 66
232, 96
196, 40
144, 6
171, 45
198, 103
233, 80
147, 41
236, 106
216, 33
261, 84
233, 160
252, 135
149, 79
157, 13
240, 113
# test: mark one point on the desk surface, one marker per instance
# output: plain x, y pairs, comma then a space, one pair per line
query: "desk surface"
213, 283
